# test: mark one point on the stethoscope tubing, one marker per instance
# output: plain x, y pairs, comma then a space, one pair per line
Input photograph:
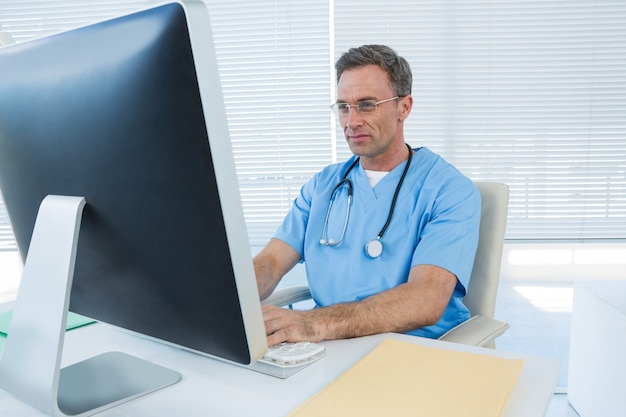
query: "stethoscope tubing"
374, 247
332, 242
395, 194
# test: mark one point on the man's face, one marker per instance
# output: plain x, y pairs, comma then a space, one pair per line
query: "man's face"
374, 134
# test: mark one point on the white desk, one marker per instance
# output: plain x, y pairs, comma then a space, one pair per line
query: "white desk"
213, 388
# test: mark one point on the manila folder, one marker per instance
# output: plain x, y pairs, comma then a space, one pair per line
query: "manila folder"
403, 379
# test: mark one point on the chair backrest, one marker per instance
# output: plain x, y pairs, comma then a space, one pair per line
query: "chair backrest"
483, 286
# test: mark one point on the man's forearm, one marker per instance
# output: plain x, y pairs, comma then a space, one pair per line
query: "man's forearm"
381, 313
395, 310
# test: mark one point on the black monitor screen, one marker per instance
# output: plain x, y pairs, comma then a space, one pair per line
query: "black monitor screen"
128, 113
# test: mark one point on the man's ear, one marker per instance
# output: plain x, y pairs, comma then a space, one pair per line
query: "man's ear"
405, 106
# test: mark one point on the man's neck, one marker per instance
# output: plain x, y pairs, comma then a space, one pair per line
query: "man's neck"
388, 161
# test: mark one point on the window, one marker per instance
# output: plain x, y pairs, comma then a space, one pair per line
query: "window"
531, 93
527, 92
275, 67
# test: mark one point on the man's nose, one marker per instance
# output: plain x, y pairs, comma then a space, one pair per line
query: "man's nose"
353, 117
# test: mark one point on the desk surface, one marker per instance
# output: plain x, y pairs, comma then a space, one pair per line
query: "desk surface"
212, 387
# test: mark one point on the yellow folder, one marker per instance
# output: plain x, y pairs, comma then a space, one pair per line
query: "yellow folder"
403, 379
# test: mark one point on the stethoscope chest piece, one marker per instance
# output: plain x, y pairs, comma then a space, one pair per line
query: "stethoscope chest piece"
374, 248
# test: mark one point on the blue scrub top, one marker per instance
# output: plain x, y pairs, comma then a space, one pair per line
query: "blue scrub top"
435, 222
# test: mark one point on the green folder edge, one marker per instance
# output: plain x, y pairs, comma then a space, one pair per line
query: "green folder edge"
74, 321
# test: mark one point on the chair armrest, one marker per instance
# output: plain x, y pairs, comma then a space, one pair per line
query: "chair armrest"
477, 331
288, 296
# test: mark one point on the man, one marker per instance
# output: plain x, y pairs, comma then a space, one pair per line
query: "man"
388, 238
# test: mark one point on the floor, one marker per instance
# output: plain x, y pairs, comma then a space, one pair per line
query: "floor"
539, 314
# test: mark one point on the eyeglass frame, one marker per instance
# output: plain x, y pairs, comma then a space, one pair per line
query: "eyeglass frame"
335, 106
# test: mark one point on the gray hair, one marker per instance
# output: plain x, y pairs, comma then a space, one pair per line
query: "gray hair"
396, 67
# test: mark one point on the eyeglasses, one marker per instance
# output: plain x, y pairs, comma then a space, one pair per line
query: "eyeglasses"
364, 106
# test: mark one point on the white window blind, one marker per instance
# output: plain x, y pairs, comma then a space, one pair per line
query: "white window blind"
275, 66
531, 93
6, 234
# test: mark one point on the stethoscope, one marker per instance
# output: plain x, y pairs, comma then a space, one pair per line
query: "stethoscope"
373, 248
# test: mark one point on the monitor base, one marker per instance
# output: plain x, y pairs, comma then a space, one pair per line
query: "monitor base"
114, 378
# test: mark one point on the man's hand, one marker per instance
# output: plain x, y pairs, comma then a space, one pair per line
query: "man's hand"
285, 325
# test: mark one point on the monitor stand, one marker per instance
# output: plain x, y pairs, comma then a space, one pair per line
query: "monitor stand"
31, 358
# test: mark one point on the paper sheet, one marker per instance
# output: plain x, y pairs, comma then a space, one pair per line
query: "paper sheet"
403, 379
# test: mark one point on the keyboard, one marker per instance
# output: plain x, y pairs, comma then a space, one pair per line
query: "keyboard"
293, 354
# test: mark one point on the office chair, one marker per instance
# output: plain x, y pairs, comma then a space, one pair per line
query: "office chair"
482, 328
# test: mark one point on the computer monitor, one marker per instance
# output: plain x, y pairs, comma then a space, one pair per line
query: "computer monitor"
128, 114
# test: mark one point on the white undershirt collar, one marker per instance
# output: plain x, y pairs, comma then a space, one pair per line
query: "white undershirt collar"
375, 176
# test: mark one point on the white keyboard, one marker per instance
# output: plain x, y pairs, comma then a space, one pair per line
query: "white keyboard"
293, 354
